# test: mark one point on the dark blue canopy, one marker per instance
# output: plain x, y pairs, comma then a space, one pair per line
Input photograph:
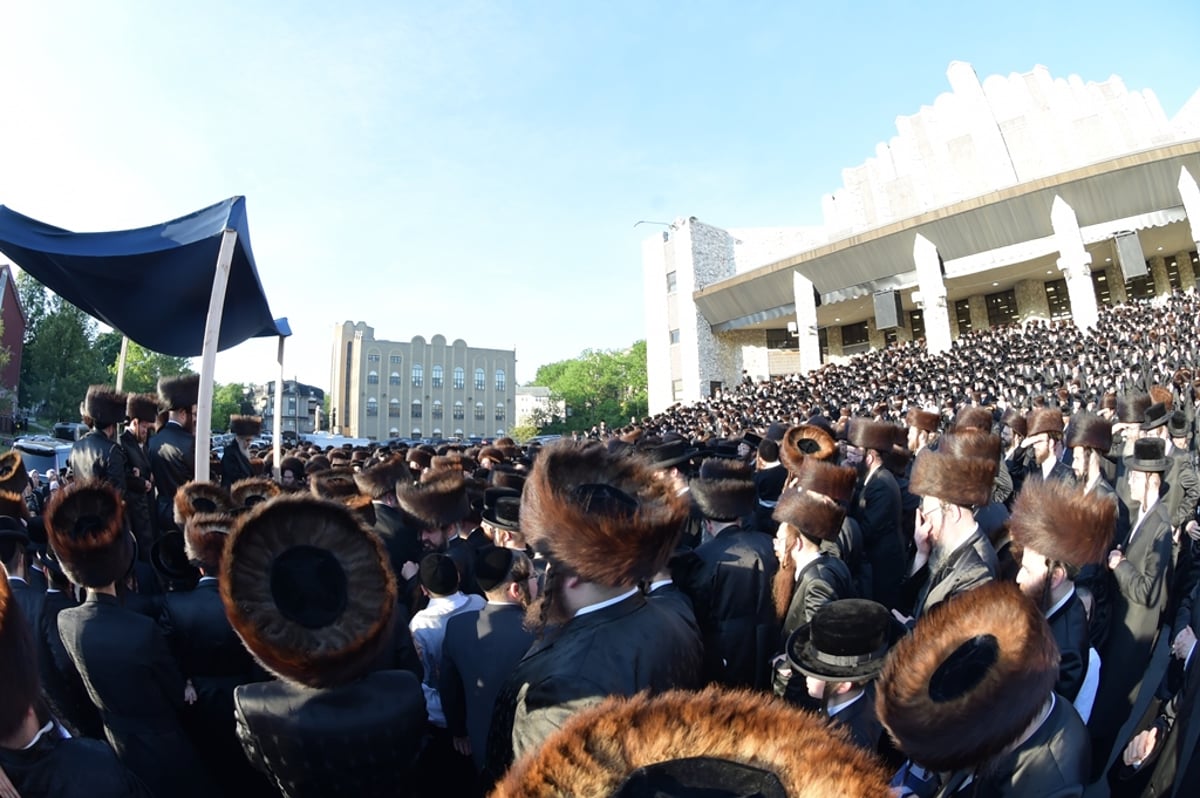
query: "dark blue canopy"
153, 284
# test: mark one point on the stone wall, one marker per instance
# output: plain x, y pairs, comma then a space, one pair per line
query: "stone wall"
1031, 300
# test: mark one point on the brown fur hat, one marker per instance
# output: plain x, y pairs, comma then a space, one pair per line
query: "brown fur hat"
248, 492
205, 536
1058, 522
965, 481
380, 480
972, 417
867, 434
450, 462
507, 477
293, 464
335, 484
13, 476
245, 426
1013, 418
1088, 429
598, 749
12, 505
987, 653
141, 406
922, 419
805, 440
438, 501
180, 392
309, 590
104, 405
603, 515
836, 482
1045, 419
362, 506
1160, 394
1132, 407
85, 522
725, 489
18, 662
970, 442
813, 514
200, 497
491, 452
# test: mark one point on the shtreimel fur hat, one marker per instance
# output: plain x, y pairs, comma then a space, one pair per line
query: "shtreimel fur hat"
604, 516
205, 536
717, 740
104, 405
245, 426
141, 406
965, 481
439, 501
180, 392
200, 497
813, 514
13, 476
1088, 429
804, 441
867, 434
309, 590
725, 489
987, 653
248, 492
85, 522
18, 662
1055, 520
836, 482
922, 419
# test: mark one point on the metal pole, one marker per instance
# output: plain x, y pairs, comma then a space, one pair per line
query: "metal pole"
208, 360
121, 363
277, 444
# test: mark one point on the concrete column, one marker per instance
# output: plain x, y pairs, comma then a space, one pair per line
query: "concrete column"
979, 314
1158, 272
1187, 271
1116, 283
932, 295
1190, 193
904, 333
1031, 300
807, 339
833, 335
875, 336
1075, 263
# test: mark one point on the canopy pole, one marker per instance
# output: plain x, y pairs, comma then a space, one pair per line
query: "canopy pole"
277, 422
208, 360
121, 362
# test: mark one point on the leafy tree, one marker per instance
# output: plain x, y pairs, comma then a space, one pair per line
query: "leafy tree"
228, 400
143, 368
608, 386
33, 298
60, 360
523, 432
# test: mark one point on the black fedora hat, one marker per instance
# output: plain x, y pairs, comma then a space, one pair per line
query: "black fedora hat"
1149, 454
1157, 414
502, 508
169, 557
669, 454
1177, 424
846, 641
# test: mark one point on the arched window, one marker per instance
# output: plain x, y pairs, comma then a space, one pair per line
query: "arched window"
372, 406
416, 433
479, 411
394, 408
372, 378
393, 433
458, 410
480, 380
436, 375
437, 408
394, 379
458, 432
416, 408
501, 380
500, 411
437, 432
459, 379
418, 375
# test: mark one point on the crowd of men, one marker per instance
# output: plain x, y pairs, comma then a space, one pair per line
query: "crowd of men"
967, 574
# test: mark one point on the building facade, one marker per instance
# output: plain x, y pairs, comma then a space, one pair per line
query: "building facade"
418, 389
1016, 198
537, 407
303, 407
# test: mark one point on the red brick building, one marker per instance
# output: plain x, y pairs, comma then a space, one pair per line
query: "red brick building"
13, 317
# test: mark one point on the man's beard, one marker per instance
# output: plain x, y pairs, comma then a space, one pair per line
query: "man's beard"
1041, 455
1039, 591
782, 588
429, 547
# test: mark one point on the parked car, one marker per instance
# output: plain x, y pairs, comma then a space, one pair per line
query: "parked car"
70, 431
41, 453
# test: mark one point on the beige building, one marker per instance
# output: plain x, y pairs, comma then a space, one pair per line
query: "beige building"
418, 389
1014, 198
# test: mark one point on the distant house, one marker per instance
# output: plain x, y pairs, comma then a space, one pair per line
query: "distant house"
13, 340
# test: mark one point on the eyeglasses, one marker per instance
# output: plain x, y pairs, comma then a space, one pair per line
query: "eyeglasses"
928, 514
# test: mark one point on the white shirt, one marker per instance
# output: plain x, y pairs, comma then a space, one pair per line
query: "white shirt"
428, 629
833, 710
606, 603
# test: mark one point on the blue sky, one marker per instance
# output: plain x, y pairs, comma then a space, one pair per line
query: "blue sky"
475, 169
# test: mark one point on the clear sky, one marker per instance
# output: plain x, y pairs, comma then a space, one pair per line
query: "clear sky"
475, 169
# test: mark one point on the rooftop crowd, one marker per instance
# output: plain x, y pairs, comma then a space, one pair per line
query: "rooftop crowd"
965, 574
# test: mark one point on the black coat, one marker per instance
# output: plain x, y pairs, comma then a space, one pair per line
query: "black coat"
173, 460
636, 644
480, 651
235, 466
140, 506
403, 543
96, 456
133, 680
970, 565
28, 598
359, 739
877, 511
730, 590
1069, 625
821, 581
61, 681
54, 767
861, 721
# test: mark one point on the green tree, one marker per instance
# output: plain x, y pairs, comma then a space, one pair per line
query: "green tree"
33, 298
227, 401
608, 386
143, 368
60, 361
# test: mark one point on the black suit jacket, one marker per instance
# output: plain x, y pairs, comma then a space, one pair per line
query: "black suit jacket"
95, 456
60, 678
1069, 626
877, 511
173, 460
480, 651
234, 465
140, 505
134, 681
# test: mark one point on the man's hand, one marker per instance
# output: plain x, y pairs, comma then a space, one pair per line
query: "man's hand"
902, 618
1140, 747
409, 570
189, 693
1115, 558
1182, 646
462, 745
